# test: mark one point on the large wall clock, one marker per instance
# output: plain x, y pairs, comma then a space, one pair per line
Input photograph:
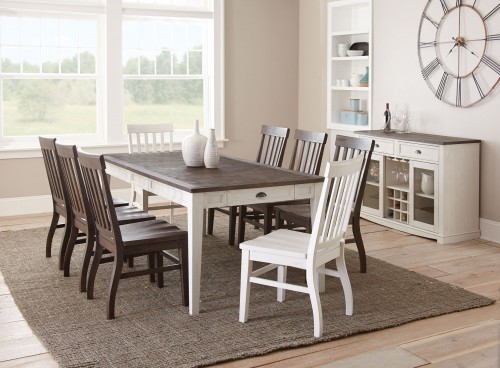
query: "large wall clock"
459, 49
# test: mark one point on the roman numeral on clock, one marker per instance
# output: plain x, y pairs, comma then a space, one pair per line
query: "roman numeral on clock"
491, 12
458, 101
492, 64
435, 24
493, 37
430, 68
481, 93
459, 2
426, 44
445, 7
442, 85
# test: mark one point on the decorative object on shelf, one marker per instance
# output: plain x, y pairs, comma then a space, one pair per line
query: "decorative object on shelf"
354, 104
355, 79
364, 81
427, 184
452, 46
387, 118
342, 49
373, 173
211, 156
362, 118
193, 147
363, 46
354, 52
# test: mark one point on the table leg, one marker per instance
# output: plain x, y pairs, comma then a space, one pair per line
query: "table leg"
195, 237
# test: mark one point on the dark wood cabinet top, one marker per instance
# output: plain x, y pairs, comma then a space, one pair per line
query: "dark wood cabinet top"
169, 168
417, 137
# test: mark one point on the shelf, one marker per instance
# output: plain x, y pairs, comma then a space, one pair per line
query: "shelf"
340, 3
346, 127
422, 194
363, 89
350, 32
399, 199
401, 187
349, 58
374, 183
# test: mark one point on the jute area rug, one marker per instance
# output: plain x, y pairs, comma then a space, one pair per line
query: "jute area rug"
153, 329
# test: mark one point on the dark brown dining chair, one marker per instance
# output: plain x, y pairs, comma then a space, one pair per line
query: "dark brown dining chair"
299, 215
81, 216
271, 152
306, 158
152, 238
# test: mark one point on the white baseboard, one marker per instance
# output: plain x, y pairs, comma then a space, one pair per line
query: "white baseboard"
490, 230
39, 204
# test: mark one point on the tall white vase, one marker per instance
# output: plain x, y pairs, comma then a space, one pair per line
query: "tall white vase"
427, 184
193, 147
211, 156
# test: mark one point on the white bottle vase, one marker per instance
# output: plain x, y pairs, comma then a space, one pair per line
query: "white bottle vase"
427, 184
193, 147
211, 156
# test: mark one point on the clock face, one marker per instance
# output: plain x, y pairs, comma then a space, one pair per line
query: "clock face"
459, 49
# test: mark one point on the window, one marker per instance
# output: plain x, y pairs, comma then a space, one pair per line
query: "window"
62, 73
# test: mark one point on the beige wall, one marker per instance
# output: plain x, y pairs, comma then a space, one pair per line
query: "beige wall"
397, 79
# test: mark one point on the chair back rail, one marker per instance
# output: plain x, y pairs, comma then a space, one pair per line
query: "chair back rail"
308, 151
150, 137
50, 159
105, 218
272, 145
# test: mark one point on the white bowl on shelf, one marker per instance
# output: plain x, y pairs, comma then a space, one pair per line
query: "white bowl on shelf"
354, 52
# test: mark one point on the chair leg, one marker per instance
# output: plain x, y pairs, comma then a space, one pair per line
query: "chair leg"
64, 243
69, 250
280, 224
233, 214
210, 221
159, 264
145, 200
246, 268
241, 224
151, 264
313, 286
93, 271
183, 258
86, 260
113, 286
281, 278
50, 235
130, 261
356, 231
346, 284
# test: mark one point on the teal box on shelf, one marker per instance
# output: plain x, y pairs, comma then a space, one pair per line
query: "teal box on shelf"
362, 118
348, 117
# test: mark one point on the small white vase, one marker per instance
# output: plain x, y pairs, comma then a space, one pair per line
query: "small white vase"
427, 184
193, 147
355, 79
211, 156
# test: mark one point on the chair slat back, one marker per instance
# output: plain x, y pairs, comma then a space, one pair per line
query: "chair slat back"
348, 147
150, 137
308, 151
332, 216
52, 166
272, 145
101, 202
75, 185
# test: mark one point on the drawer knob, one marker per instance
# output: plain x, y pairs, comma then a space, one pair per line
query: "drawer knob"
418, 152
261, 195
377, 145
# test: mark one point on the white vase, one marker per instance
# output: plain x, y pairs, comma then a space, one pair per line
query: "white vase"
427, 184
211, 156
193, 147
355, 79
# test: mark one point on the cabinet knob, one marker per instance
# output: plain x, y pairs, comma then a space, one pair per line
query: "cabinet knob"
261, 195
377, 145
418, 152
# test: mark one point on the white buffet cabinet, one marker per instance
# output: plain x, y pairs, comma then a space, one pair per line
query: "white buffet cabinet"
424, 184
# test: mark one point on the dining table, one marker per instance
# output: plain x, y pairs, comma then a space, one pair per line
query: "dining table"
234, 182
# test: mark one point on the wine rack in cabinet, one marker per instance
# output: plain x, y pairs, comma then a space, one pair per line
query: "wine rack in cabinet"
348, 98
427, 185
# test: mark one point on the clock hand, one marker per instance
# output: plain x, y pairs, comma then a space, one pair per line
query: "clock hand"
455, 45
465, 47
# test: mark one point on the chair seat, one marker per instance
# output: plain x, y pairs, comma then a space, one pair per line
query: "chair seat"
298, 210
129, 214
282, 242
118, 202
150, 232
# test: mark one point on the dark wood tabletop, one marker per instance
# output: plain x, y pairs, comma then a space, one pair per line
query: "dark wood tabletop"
418, 137
169, 168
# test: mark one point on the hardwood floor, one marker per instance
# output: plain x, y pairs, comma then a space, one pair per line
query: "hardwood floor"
466, 339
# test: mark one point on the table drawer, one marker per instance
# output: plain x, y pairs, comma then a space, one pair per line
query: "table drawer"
418, 151
261, 195
384, 146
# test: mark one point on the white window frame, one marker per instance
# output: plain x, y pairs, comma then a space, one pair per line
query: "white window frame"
110, 136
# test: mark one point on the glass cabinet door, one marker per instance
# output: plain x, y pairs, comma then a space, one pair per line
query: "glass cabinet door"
397, 188
374, 180
424, 209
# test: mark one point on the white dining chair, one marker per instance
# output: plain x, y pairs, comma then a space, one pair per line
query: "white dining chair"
147, 138
310, 252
